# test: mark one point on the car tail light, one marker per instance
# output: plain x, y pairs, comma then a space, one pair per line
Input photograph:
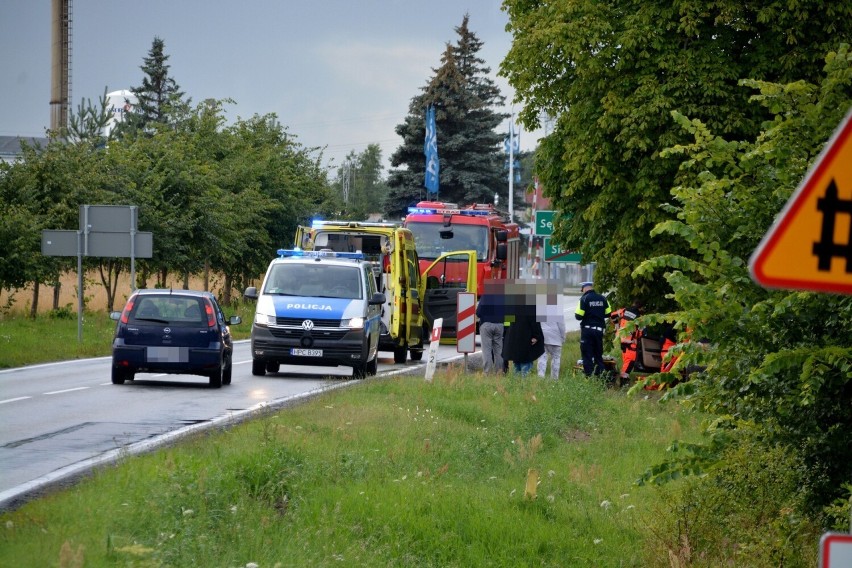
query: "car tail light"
128, 307
211, 316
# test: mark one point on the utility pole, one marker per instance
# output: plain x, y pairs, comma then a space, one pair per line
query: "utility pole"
512, 167
347, 173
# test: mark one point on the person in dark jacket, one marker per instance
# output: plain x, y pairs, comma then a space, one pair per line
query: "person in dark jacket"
593, 312
525, 341
491, 311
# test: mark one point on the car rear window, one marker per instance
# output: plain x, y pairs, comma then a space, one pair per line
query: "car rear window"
174, 310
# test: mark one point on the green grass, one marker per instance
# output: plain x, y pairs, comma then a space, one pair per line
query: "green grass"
400, 472
55, 336
394, 472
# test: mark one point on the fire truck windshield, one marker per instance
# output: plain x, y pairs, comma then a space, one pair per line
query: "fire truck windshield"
430, 244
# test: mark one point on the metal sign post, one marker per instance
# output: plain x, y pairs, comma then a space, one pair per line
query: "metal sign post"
105, 231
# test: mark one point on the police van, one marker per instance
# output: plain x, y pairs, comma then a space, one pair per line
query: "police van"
391, 250
317, 308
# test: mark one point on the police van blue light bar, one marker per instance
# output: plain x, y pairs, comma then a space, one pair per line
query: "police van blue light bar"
292, 253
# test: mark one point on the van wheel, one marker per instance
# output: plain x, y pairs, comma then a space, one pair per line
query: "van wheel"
359, 371
272, 367
373, 366
400, 353
258, 368
416, 353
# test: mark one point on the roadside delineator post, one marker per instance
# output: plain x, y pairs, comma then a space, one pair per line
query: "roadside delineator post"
432, 359
466, 324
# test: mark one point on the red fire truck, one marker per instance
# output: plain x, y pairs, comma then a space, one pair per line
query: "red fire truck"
440, 228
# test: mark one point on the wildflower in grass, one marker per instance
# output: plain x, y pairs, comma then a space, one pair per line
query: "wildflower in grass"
598, 540
10, 525
551, 498
605, 504
233, 509
188, 512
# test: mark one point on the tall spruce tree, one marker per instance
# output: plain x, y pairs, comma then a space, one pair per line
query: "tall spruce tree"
469, 148
159, 98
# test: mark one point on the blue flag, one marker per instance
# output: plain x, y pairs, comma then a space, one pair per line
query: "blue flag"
513, 139
430, 149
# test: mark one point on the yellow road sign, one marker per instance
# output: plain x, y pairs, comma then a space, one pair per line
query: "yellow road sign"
809, 247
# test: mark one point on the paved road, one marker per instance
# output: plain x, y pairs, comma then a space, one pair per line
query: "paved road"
59, 420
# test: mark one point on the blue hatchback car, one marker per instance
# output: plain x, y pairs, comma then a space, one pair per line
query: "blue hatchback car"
175, 332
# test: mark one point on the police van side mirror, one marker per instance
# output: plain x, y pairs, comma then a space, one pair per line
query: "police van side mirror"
502, 235
250, 293
377, 299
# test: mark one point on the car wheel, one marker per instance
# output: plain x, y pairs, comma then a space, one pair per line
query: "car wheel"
121, 375
400, 352
226, 374
416, 354
258, 368
216, 377
272, 367
373, 366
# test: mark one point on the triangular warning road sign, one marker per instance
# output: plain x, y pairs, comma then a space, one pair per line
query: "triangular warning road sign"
809, 247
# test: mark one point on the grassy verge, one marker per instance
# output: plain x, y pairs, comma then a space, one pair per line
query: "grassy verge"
465, 471
54, 336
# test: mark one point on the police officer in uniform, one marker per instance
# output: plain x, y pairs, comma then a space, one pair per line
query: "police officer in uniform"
593, 312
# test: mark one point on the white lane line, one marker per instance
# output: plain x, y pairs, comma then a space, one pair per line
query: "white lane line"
67, 390
14, 399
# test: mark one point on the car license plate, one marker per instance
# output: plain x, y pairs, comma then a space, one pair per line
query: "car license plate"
306, 352
168, 354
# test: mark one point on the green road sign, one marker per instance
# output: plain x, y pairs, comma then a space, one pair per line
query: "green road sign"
543, 223
555, 253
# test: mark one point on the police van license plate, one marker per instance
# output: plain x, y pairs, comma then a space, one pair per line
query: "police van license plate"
306, 352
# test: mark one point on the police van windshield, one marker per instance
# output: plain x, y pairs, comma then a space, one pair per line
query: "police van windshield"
316, 280
430, 245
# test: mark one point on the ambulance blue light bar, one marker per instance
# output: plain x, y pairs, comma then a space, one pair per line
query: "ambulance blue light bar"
293, 253
431, 211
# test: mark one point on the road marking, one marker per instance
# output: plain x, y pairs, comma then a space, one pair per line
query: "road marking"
14, 399
67, 390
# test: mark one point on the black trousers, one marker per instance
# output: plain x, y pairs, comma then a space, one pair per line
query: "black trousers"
591, 348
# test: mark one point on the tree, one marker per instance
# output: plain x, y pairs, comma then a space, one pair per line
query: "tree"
160, 100
612, 73
778, 364
367, 189
88, 124
469, 148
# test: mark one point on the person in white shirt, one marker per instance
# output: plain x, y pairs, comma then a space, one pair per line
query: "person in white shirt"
554, 336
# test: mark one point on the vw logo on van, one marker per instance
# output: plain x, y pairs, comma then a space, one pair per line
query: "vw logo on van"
307, 325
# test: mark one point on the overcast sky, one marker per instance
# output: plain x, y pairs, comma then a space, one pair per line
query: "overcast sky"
338, 73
